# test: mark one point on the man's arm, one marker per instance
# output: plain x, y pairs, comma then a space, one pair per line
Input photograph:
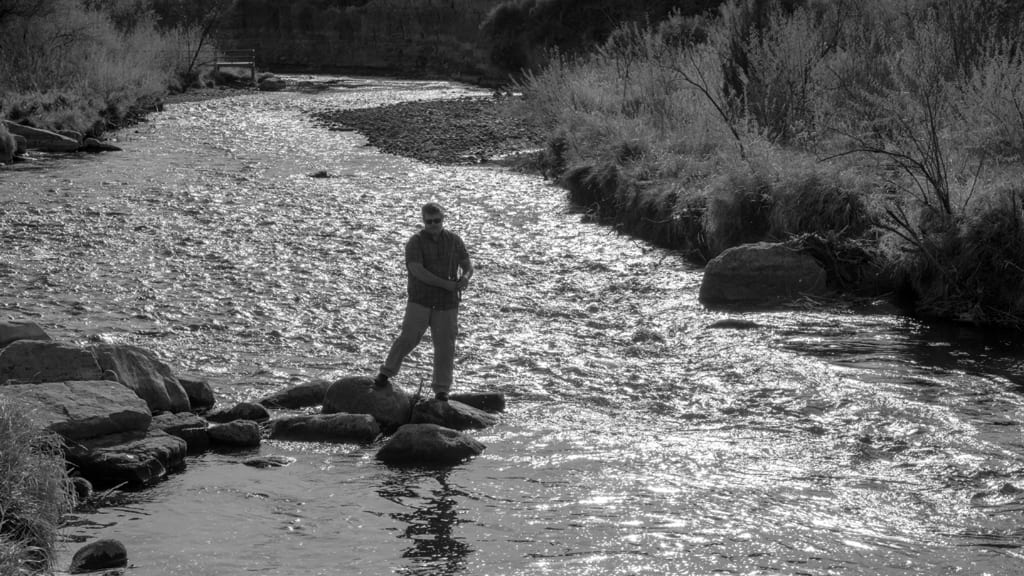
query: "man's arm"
420, 272
467, 272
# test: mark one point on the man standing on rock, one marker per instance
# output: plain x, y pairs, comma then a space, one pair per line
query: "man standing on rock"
434, 258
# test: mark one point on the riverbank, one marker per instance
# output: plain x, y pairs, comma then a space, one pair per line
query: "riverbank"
461, 131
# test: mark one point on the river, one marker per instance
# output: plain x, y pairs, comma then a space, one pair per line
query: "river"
638, 438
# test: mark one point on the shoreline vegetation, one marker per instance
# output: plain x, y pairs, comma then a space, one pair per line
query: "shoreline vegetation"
885, 138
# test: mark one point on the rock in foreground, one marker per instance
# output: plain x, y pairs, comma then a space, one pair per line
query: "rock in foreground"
428, 445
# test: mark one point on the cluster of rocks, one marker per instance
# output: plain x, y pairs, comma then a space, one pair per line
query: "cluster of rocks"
468, 130
27, 138
127, 420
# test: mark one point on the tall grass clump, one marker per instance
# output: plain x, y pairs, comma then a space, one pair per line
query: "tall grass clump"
35, 494
86, 66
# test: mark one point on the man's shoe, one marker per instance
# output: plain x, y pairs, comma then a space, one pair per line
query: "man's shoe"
381, 381
442, 396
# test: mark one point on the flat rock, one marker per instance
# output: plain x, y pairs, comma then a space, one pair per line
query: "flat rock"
389, 405
134, 458
187, 426
11, 330
428, 445
238, 433
452, 414
47, 361
79, 410
300, 396
337, 427
269, 461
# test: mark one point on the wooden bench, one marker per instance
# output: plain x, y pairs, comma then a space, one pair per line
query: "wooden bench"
237, 59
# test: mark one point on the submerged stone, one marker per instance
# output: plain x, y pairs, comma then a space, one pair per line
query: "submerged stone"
339, 427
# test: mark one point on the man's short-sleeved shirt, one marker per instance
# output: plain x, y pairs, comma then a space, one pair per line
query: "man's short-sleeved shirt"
441, 256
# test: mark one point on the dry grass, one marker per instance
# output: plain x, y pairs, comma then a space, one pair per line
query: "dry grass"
36, 492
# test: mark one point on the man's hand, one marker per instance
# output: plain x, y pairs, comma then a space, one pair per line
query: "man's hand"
462, 283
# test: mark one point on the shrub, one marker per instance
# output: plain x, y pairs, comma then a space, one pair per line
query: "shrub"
7, 144
739, 210
36, 492
974, 271
818, 203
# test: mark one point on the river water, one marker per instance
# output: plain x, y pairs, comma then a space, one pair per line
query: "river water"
638, 439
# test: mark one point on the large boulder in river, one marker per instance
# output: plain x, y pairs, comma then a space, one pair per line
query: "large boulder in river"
11, 330
337, 428
760, 275
452, 414
144, 373
428, 445
81, 410
389, 405
300, 396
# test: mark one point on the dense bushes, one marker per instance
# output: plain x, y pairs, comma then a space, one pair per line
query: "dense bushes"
896, 123
85, 65
523, 32
35, 493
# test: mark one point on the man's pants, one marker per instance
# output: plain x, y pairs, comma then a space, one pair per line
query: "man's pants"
444, 328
